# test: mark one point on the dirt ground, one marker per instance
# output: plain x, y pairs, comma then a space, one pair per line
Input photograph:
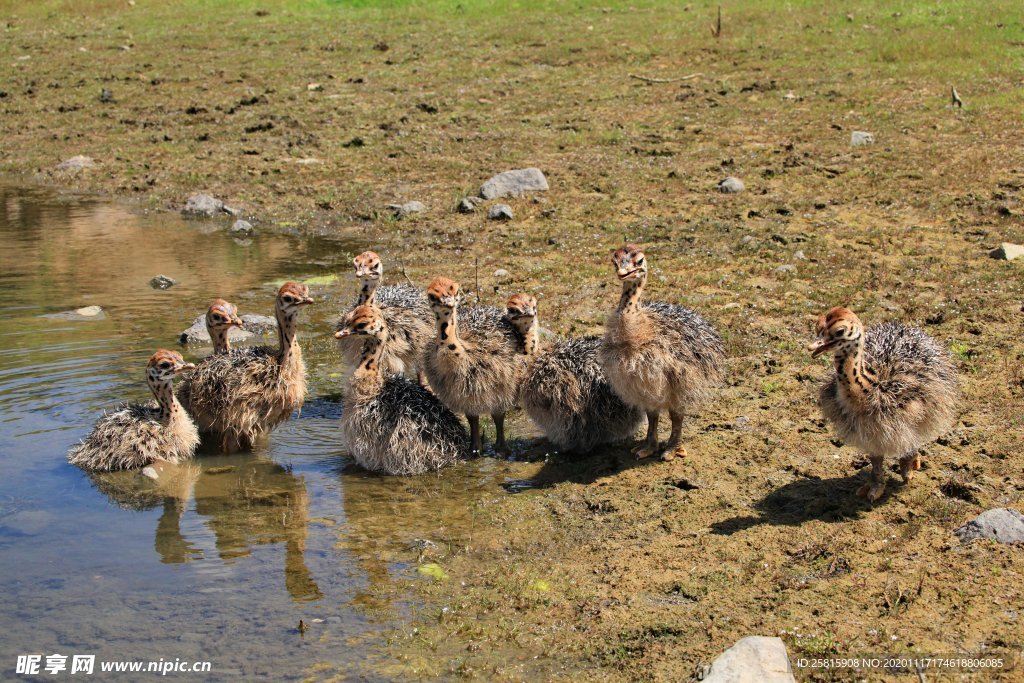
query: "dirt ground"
313, 116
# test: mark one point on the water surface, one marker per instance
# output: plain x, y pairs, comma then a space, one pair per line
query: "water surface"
220, 561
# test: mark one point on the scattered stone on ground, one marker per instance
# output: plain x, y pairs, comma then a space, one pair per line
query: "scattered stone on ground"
514, 183
501, 274
786, 268
1007, 251
731, 184
241, 226
407, 209
742, 424
106, 96
754, 659
84, 313
799, 255
859, 137
467, 205
1005, 525
254, 326
747, 239
205, 205
75, 165
162, 282
500, 212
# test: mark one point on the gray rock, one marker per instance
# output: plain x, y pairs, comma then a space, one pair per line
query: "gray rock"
747, 239
162, 282
106, 96
255, 326
242, 227
500, 212
514, 183
731, 184
859, 137
800, 256
742, 424
75, 165
205, 205
786, 268
1005, 525
501, 274
754, 659
1007, 251
260, 325
407, 209
467, 205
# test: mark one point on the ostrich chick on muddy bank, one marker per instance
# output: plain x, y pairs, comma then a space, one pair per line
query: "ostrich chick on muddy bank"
406, 312
658, 356
475, 365
391, 424
565, 391
138, 435
894, 390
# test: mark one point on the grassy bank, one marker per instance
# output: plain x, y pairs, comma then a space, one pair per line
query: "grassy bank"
315, 116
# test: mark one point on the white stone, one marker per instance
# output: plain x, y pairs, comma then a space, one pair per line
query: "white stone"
754, 659
859, 137
514, 183
1007, 251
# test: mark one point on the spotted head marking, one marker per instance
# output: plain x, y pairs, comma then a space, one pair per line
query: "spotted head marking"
368, 266
363, 320
521, 307
293, 296
630, 263
444, 293
222, 315
164, 365
839, 330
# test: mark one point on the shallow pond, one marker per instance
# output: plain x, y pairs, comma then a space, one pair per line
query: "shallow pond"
220, 561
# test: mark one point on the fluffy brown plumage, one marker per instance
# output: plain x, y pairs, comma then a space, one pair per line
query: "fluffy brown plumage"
565, 391
391, 424
406, 312
894, 390
658, 356
475, 365
203, 392
138, 434
254, 389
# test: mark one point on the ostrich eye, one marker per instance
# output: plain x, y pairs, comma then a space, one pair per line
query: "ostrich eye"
165, 365
289, 300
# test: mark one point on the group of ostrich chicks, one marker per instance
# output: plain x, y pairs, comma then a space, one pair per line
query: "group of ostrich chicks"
894, 388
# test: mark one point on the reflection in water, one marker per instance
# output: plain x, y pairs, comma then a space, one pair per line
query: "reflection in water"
247, 503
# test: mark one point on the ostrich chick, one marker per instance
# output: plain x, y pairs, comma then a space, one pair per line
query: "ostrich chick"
658, 356
894, 390
565, 391
139, 434
475, 365
202, 392
391, 424
406, 313
263, 385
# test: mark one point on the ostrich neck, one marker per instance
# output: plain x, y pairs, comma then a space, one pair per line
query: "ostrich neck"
531, 337
286, 337
448, 329
369, 360
368, 292
163, 390
629, 302
854, 374
219, 335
